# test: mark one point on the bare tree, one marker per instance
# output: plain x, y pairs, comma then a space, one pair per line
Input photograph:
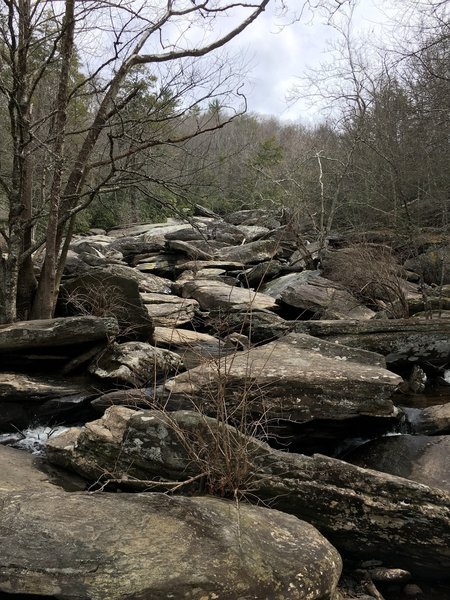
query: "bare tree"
41, 41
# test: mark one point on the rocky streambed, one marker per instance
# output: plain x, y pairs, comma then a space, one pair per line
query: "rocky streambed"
228, 415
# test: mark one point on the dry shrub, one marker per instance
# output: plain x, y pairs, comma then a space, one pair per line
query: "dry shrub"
371, 273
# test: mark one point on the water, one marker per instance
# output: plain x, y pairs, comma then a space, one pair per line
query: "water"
33, 439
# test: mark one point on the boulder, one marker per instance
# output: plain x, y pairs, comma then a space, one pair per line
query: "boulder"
253, 232
366, 513
26, 399
433, 420
194, 347
276, 287
297, 377
324, 299
131, 398
259, 326
125, 546
401, 341
222, 231
149, 231
169, 311
163, 263
68, 334
255, 216
421, 458
253, 252
214, 295
111, 291
432, 266
263, 271
198, 265
65, 544
131, 246
135, 363
21, 470
191, 249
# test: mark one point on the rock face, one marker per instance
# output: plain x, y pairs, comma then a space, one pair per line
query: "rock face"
297, 378
366, 513
121, 546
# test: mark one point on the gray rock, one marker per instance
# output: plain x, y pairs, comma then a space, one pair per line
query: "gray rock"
214, 295
111, 291
401, 341
197, 265
253, 232
421, 458
325, 299
255, 276
135, 363
194, 348
433, 420
192, 250
253, 252
433, 266
149, 231
225, 232
131, 246
56, 333
254, 216
276, 287
259, 326
26, 399
364, 512
169, 311
298, 377
20, 470
159, 547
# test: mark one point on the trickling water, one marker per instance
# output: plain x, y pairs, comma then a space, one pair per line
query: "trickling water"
32, 439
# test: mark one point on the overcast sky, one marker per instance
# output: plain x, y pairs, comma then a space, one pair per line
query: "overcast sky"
278, 57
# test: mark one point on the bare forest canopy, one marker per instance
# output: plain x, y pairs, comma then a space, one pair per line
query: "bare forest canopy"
121, 112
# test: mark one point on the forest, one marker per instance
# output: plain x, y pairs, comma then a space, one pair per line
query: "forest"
108, 117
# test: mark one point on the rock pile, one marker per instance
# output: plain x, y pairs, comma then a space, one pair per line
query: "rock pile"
208, 348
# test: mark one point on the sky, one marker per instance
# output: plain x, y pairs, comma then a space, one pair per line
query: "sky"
279, 56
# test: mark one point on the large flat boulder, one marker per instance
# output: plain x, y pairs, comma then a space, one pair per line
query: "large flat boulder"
323, 298
253, 252
366, 513
55, 333
401, 341
215, 295
168, 310
122, 546
297, 377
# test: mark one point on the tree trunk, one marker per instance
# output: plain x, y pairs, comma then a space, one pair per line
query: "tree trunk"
47, 292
